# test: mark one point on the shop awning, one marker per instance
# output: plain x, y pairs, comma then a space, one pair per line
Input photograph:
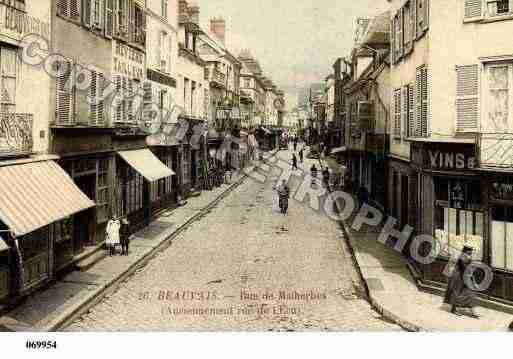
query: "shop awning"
147, 164
36, 194
338, 150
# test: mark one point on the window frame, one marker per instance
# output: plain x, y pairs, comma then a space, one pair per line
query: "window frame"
486, 96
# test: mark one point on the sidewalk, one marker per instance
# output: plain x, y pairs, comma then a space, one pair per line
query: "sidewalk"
393, 291
50, 308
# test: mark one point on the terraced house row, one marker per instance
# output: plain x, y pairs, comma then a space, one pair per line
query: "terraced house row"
112, 108
425, 97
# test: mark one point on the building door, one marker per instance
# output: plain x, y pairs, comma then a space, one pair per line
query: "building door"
83, 222
404, 201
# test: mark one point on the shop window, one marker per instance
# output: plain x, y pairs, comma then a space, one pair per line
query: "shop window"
102, 197
502, 237
459, 219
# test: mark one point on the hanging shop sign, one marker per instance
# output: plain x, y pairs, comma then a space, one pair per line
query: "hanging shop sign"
128, 61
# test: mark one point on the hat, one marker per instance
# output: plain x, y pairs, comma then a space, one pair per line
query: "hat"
467, 249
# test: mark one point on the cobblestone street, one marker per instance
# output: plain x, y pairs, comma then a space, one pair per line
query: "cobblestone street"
244, 266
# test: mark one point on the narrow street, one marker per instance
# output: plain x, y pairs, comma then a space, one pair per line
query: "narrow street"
239, 270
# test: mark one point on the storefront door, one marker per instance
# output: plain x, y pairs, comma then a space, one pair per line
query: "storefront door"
83, 221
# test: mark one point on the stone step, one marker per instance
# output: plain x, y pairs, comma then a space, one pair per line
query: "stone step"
89, 261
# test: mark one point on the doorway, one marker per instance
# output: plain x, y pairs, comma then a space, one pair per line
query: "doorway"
83, 222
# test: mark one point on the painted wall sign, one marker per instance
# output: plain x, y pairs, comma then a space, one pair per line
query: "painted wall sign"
15, 23
128, 61
450, 160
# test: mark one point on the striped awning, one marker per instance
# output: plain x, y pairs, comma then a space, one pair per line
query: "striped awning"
147, 164
35, 194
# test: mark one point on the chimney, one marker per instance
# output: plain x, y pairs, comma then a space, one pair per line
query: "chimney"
218, 28
194, 12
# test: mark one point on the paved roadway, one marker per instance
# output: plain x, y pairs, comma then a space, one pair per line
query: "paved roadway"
227, 271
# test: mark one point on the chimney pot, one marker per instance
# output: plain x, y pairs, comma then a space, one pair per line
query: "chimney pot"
218, 28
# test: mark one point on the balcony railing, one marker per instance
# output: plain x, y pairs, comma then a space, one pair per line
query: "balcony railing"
495, 150
16, 132
218, 77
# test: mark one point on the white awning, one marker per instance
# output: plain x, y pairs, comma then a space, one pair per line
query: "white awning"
35, 194
147, 164
338, 149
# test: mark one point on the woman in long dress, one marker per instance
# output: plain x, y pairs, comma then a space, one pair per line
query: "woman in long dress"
458, 293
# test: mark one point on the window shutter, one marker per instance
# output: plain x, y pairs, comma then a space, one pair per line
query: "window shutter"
143, 30
100, 20
411, 110
467, 101
413, 19
64, 97
74, 9
96, 103
86, 13
418, 103
425, 24
473, 8
109, 18
130, 101
147, 101
404, 111
424, 101
158, 50
392, 39
117, 109
397, 113
131, 21
63, 7
400, 19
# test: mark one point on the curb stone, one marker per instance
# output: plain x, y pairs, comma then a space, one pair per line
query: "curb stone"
101, 291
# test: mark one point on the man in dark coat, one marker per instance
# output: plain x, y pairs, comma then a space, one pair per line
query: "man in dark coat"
125, 236
459, 293
284, 194
326, 176
294, 161
301, 155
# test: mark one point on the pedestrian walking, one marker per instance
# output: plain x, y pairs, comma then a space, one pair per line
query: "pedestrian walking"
460, 293
301, 155
295, 144
112, 232
125, 236
294, 161
284, 194
326, 176
363, 195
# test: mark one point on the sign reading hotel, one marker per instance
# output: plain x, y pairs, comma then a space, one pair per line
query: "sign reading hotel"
128, 61
16, 24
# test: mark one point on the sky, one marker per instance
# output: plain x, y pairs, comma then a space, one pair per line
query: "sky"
295, 41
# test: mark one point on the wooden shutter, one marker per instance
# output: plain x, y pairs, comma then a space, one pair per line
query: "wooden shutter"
413, 19
473, 8
100, 20
86, 13
147, 100
129, 96
467, 101
392, 40
63, 7
411, 110
117, 109
96, 102
143, 30
418, 103
424, 104
425, 25
131, 21
74, 9
404, 111
400, 39
397, 113
64, 82
109, 18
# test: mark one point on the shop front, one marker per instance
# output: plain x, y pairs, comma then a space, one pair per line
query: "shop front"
39, 202
137, 172
452, 204
165, 191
